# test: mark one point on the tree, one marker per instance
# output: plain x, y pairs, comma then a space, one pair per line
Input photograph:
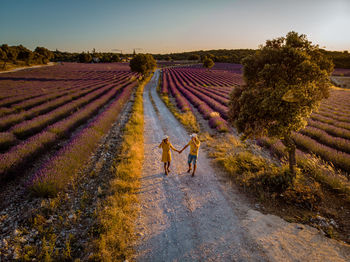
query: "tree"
284, 82
85, 58
194, 57
24, 54
114, 58
142, 63
11, 54
3, 57
208, 62
46, 54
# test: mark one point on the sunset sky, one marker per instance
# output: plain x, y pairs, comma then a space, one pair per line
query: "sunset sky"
161, 26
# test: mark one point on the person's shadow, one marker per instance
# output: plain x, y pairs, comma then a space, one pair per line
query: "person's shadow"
149, 186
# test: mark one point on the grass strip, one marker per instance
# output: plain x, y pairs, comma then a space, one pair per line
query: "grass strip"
118, 212
186, 118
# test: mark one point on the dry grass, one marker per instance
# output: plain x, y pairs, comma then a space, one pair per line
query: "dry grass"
10, 66
253, 173
311, 193
264, 178
324, 172
117, 214
214, 114
187, 119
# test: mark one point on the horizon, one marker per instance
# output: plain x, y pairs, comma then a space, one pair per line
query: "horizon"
163, 27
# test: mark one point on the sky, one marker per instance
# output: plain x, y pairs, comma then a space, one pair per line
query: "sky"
163, 26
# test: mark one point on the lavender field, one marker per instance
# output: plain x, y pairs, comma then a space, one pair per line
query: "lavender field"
40, 108
327, 134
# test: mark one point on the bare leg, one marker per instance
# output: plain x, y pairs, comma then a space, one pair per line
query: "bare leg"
194, 169
168, 167
189, 168
165, 169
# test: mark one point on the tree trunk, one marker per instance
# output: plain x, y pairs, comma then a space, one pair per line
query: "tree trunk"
289, 143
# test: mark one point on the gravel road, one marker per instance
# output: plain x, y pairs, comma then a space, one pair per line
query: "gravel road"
204, 218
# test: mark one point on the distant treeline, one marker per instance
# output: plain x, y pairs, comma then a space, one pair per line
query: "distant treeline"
86, 57
220, 55
22, 55
340, 59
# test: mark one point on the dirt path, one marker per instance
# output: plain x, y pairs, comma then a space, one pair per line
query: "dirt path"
26, 67
204, 218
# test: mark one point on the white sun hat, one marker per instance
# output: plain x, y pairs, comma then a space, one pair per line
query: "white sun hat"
194, 135
165, 137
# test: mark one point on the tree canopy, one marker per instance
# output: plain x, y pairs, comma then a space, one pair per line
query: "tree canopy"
208, 62
194, 57
85, 58
45, 54
15, 54
142, 63
284, 82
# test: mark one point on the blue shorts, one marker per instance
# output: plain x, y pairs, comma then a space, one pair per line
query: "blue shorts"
192, 158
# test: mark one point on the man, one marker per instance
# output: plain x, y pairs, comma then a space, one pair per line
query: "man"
192, 157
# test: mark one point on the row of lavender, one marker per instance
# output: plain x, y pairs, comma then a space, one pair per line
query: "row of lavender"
100, 90
187, 96
328, 132
29, 122
56, 173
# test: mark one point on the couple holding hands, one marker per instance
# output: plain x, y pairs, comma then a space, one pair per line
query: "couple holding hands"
192, 157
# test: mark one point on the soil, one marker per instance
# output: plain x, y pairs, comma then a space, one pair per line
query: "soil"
205, 218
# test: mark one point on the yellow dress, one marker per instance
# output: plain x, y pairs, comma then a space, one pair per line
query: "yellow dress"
166, 155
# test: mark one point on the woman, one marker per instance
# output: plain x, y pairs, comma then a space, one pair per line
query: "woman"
166, 155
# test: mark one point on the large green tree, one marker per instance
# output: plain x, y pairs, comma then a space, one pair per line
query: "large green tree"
10, 54
24, 54
142, 63
46, 54
208, 62
84, 57
285, 80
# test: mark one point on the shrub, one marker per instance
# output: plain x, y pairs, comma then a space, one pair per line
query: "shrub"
142, 63
304, 192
